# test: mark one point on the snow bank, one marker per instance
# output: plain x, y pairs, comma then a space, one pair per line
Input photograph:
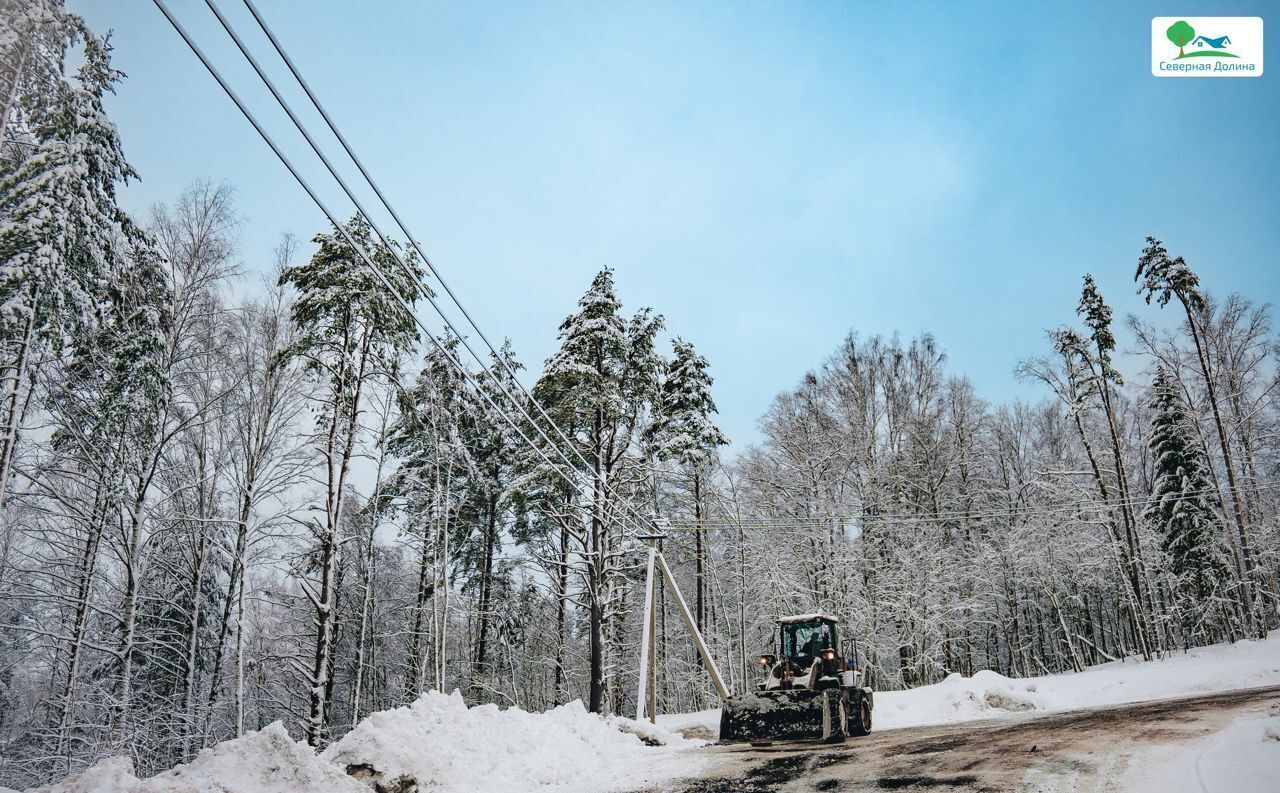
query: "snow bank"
958, 698
437, 743
448, 747
112, 775
1220, 667
1244, 758
267, 761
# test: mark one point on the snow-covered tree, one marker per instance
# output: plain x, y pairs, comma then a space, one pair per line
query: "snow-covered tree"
351, 329
1164, 278
62, 234
1104, 382
427, 443
1182, 507
684, 433
493, 450
266, 461
600, 387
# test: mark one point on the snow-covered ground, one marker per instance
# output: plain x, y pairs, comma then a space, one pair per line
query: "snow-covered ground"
1243, 758
1221, 667
437, 741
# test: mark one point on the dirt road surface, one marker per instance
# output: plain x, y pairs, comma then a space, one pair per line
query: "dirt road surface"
1081, 750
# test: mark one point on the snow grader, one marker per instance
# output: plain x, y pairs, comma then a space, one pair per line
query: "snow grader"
811, 689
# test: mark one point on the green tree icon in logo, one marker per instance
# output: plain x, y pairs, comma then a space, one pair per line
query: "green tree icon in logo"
1181, 34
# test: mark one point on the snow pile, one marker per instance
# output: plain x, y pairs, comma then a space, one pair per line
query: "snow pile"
703, 725
267, 761
958, 698
112, 775
1220, 667
1244, 758
446, 746
438, 744
658, 734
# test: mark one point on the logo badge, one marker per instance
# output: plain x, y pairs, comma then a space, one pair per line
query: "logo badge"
1206, 46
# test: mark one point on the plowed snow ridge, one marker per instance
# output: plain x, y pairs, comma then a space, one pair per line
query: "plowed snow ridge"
438, 741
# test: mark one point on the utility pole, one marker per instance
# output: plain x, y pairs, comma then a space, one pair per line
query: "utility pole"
646, 693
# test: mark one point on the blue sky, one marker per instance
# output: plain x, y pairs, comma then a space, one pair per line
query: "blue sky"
769, 176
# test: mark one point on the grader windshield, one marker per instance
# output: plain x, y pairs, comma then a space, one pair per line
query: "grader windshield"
803, 640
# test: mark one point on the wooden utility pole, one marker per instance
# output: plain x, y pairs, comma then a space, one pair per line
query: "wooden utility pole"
646, 691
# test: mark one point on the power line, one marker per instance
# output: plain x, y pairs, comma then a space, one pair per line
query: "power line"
904, 518
422, 288
213, 71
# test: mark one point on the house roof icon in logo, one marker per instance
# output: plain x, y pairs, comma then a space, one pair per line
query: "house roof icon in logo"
1219, 43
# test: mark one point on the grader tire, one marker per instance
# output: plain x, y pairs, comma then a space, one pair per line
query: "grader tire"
835, 718
860, 720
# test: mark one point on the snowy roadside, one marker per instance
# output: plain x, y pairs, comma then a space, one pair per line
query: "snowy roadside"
1243, 758
987, 695
437, 744
1219, 667
445, 747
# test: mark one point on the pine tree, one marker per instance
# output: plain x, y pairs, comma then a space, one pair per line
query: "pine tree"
683, 430
34, 38
427, 442
600, 386
351, 330
1097, 317
684, 433
1183, 509
1164, 278
493, 447
61, 232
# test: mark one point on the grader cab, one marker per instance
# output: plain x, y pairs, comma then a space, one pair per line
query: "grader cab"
810, 689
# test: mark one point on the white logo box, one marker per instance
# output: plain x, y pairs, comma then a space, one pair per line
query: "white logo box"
1244, 33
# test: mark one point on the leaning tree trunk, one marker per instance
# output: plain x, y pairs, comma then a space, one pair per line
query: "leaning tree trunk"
699, 555
79, 626
1237, 509
132, 560
233, 585
1136, 571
